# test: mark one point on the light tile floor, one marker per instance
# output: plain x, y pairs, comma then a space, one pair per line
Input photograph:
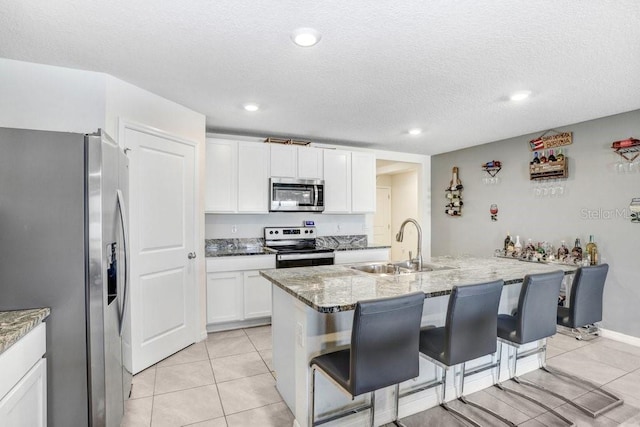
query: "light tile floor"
226, 381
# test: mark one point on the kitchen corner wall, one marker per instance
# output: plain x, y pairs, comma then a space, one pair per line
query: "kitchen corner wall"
595, 201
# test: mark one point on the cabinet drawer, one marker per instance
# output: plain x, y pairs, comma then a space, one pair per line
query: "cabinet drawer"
240, 263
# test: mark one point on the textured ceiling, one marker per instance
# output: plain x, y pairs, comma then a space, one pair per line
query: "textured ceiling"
381, 67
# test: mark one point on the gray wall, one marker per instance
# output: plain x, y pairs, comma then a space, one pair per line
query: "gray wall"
595, 201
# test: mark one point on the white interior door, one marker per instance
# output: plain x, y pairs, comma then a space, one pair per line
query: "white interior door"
382, 218
163, 309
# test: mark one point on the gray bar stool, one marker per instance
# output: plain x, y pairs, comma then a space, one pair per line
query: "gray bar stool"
534, 320
585, 308
585, 299
469, 333
383, 352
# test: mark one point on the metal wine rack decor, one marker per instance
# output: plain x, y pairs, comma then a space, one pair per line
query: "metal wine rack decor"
453, 194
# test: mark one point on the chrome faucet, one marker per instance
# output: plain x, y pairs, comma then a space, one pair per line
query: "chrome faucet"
400, 236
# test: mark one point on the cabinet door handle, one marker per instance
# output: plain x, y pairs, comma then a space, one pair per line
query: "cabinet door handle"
191, 255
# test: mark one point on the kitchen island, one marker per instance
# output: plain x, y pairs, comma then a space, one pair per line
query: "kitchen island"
313, 313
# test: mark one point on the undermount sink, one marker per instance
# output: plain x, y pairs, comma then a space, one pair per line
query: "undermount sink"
382, 269
397, 268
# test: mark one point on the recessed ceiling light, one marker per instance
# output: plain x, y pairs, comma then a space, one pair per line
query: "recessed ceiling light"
251, 107
521, 95
305, 37
415, 131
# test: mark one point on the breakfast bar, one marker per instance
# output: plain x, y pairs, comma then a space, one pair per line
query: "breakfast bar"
313, 313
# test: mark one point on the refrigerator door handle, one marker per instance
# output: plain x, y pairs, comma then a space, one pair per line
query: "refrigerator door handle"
122, 211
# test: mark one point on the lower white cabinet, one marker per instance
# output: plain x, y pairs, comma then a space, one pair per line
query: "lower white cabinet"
23, 381
257, 295
236, 293
224, 297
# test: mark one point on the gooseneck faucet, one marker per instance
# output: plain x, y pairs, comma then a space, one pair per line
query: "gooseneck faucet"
400, 236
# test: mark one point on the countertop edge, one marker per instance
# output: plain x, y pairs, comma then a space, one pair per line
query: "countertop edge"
15, 324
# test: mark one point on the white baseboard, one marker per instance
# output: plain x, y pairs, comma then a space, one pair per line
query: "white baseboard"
617, 336
202, 336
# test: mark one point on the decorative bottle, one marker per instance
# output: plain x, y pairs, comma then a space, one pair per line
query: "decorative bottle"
576, 252
536, 160
455, 183
559, 155
507, 241
517, 246
592, 250
563, 251
552, 158
543, 159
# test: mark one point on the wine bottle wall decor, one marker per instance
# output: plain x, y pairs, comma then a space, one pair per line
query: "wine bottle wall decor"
454, 195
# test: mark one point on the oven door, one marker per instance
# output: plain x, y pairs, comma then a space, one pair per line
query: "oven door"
291, 260
294, 195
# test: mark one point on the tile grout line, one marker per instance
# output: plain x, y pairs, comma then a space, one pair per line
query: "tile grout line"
224, 414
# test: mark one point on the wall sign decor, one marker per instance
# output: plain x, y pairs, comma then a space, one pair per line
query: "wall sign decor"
544, 141
492, 168
628, 149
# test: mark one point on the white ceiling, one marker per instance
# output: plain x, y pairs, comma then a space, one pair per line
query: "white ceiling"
382, 67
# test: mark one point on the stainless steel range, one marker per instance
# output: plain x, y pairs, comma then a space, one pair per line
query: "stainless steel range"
296, 247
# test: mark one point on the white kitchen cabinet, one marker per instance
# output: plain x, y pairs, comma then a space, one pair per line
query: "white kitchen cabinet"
23, 381
257, 295
221, 194
290, 161
237, 296
363, 255
253, 177
363, 182
224, 297
337, 181
237, 177
284, 160
310, 161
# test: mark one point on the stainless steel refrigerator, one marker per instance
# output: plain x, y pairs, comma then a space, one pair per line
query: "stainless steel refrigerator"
63, 244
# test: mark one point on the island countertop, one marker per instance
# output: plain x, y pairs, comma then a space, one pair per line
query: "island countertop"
329, 289
16, 324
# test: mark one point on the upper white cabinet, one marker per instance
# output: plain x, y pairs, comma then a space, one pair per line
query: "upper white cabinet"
290, 161
363, 182
337, 181
310, 162
237, 176
221, 194
253, 177
350, 181
284, 160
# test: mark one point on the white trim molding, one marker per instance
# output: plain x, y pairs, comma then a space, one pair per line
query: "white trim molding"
617, 336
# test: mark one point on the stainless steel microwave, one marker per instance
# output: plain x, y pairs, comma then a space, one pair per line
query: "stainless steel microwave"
296, 195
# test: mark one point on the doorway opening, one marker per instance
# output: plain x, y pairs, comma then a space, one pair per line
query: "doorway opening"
396, 200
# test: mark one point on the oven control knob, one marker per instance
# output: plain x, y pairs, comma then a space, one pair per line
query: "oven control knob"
310, 231
271, 232
306, 231
276, 231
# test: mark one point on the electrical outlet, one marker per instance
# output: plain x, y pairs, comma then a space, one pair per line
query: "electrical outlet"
234, 229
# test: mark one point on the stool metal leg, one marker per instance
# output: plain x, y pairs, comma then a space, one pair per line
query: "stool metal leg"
312, 400
512, 371
615, 400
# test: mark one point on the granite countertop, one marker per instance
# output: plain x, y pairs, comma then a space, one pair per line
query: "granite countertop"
334, 288
16, 324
